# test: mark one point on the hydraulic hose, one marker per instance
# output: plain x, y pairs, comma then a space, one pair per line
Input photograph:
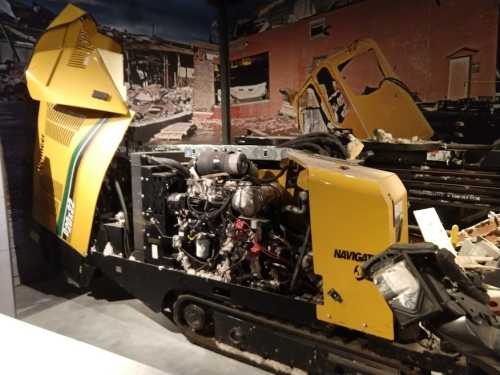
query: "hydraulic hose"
170, 163
121, 199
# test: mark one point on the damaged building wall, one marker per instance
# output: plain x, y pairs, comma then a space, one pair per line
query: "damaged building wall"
417, 37
203, 83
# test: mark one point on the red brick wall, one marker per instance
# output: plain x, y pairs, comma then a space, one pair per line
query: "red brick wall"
416, 36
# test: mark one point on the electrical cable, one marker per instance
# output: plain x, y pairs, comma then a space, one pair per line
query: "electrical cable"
121, 199
302, 252
170, 163
266, 180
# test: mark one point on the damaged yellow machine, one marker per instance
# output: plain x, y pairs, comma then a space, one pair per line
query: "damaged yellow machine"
295, 258
357, 89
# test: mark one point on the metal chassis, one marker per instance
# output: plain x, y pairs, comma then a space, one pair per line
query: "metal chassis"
275, 321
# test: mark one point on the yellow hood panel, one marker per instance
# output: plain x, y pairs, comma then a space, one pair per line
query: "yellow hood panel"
77, 75
68, 68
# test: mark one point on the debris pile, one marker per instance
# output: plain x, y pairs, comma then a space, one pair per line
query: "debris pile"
12, 82
479, 244
480, 251
154, 102
488, 229
174, 132
278, 125
380, 135
287, 108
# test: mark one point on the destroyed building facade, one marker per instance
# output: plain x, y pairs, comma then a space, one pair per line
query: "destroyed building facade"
297, 35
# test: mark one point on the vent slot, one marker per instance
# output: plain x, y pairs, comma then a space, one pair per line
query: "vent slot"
62, 126
82, 51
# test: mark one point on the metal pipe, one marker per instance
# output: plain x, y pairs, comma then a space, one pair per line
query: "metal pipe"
224, 72
125, 216
302, 252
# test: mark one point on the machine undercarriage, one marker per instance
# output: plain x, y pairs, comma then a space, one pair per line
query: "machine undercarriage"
227, 234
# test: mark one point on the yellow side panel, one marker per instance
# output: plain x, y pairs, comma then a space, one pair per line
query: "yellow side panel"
90, 176
352, 212
67, 68
73, 151
389, 108
114, 65
77, 75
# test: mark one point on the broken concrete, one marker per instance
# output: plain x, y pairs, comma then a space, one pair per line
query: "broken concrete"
157, 103
488, 229
174, 132
380, 135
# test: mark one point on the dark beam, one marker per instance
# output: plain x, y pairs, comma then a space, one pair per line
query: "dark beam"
224, 72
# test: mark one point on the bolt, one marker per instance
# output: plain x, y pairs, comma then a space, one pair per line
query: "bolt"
365, 325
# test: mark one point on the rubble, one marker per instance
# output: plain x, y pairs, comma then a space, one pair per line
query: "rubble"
12, 82
155, 102
174, 132
287, 108
380, 135
277, 125
479, 244
488, 229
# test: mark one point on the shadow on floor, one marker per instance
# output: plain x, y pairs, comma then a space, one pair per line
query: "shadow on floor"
39, 296
102, 288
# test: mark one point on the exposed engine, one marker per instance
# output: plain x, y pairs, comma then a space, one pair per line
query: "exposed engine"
221, 217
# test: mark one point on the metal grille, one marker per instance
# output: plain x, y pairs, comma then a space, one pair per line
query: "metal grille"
81, 52
62, 126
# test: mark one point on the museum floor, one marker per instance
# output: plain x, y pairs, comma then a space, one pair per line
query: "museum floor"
111, 320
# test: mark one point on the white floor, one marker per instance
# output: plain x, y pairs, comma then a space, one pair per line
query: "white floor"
123, 326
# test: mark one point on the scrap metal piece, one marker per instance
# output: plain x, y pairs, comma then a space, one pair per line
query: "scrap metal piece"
488, 229
390, 106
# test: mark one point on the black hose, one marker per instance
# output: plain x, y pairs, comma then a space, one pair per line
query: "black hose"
302, 252
193, 258
211, 214
267, 180
326, 142
311, 147
119, 192
170, 163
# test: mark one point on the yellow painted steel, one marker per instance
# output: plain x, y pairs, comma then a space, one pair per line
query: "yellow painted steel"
67, 66
390, 107
56, 146
353, 212
79, 131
